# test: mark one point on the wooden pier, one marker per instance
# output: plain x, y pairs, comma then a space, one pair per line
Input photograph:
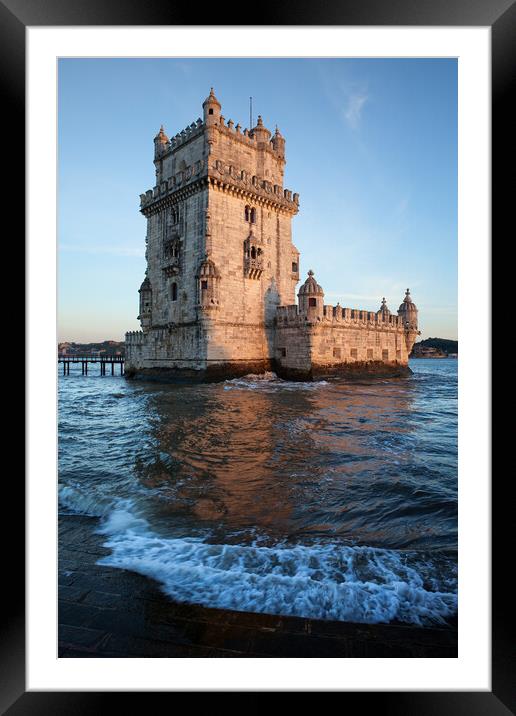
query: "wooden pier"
103, 361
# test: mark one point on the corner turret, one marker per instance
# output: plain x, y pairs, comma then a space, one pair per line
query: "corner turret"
408, 311
278, 143
260, 132
161, 142
311, 298
207, 284
145, 292
211, 107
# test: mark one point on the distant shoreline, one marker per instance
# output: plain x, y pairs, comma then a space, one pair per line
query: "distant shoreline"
431, 357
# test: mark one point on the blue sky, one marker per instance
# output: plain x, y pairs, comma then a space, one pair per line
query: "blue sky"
371, 148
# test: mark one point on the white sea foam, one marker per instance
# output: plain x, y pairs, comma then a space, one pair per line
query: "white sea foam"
269, 381
360, 584
75, 500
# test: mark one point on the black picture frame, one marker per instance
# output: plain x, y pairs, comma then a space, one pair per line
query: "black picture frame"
500, 15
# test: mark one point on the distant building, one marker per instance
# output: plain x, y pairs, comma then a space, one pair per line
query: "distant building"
427, 352
218, 298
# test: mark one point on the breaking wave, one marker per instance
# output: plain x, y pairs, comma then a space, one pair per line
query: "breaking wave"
270, 381
73, 500
321, 581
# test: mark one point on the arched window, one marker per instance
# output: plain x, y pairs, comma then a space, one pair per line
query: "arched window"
173, 291
250, 214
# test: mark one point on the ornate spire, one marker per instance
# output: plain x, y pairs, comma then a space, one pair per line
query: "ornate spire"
384, 309
211, 99
161, 136
311, 286
407, 306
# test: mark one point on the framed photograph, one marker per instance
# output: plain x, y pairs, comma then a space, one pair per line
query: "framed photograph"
255, 440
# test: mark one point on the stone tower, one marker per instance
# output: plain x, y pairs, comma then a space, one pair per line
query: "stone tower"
219, 250
218, 297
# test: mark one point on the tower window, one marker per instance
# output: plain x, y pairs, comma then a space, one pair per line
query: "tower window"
250, 214
204, 285
210, 111
294, 267
173, 291
312, 302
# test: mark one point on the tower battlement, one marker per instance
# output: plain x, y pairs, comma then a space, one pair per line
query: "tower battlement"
249, 161
218, 297
339, 314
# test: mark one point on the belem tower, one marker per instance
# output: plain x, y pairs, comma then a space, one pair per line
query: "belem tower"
219, 295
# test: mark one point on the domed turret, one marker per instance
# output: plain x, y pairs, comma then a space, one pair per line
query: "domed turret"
383, 310
145, 292
260, 132
310, 286
207, 269
311, 297
211, 107
278, 143
207, 280
408, 311
161, 142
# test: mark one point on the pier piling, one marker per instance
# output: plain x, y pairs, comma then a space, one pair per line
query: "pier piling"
85, 360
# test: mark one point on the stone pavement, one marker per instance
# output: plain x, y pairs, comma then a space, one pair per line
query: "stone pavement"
108, 612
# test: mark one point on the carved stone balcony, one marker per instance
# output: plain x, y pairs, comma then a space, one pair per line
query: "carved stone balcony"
253, 267
171, 257
172, 266
253, 257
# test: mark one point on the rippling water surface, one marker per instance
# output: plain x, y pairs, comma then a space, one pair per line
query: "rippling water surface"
335, 500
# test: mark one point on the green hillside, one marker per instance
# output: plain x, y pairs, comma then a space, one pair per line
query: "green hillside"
443, 345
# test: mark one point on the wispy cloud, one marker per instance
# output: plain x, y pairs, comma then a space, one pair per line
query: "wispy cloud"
111, 250
348, 94
353, 109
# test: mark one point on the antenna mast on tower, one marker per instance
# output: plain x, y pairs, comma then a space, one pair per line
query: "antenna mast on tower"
250, 113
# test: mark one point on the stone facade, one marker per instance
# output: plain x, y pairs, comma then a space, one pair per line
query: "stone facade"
218, 298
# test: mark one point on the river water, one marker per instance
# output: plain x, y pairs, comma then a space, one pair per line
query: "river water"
331, 500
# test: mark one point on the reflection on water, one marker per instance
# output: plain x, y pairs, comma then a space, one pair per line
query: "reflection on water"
363, 473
